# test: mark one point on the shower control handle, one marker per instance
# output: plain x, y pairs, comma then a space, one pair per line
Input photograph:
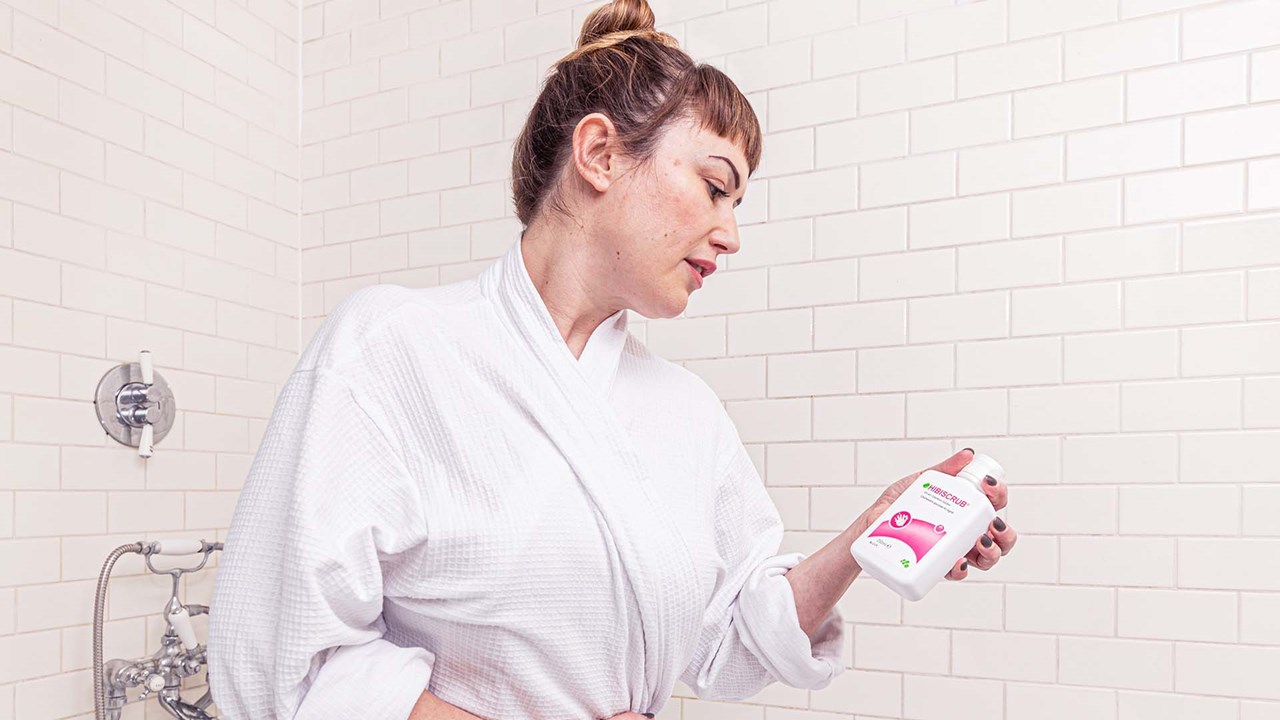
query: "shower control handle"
144, 364
180, 619
177, 547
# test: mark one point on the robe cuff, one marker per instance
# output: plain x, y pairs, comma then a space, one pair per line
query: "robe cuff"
377, 680
770, 629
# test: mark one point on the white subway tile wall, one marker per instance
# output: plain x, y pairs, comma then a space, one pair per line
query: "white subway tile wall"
1047, 230
149, 199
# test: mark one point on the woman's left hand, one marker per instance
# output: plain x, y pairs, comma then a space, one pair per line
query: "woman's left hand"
987, 551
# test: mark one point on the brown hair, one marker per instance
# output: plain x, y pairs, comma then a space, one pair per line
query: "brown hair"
641, 80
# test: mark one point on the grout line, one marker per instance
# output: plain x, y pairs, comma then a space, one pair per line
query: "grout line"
1182, 35
1124, 100
1239, 616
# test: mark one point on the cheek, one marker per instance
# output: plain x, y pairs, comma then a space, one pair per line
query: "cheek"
670, 217
680, 194
692, 200
686, 218
665, 215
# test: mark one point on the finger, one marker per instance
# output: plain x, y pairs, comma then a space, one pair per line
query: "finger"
954, 464
960, 570
900, 486
985, 553
997, 492
1004, 536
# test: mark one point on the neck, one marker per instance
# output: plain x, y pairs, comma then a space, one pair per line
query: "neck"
559, 263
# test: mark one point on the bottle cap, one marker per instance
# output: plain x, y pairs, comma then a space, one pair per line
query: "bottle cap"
980, 467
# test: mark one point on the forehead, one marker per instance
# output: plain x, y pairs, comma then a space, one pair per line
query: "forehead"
688, 138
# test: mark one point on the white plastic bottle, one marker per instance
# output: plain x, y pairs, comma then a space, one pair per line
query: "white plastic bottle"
934, 523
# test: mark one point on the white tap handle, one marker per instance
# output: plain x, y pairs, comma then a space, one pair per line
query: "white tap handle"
146, 443
181, 621
177, 547
144, 360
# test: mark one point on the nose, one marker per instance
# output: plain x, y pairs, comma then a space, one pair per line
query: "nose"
726, 240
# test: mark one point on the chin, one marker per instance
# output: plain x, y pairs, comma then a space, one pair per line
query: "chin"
666, 308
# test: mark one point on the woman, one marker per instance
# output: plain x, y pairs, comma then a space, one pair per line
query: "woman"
487, 499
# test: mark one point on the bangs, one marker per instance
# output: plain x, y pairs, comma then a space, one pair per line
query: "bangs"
719, 106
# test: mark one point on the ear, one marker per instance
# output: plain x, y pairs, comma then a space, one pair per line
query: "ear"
595, 154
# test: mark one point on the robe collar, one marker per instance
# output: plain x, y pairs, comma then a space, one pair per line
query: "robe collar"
507, 282
562, 395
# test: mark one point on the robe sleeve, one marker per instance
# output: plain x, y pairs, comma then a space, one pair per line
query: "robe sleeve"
296, 628
751, 635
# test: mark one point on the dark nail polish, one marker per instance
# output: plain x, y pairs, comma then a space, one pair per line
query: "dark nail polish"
991, 480
986, 540
1000, 524
964, 565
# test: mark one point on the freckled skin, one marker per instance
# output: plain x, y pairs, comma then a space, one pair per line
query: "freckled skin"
632, 224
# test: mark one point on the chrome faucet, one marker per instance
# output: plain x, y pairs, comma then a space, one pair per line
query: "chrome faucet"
180, 654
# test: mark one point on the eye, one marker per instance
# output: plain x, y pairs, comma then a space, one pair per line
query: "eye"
715, 191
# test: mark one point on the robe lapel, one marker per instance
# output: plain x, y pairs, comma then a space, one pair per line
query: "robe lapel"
565, 398
599, 360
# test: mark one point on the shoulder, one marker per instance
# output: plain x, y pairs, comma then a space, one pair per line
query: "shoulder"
366, 317
674, 384
699, 413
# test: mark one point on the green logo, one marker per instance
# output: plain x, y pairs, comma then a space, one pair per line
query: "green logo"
905, 562
926, 486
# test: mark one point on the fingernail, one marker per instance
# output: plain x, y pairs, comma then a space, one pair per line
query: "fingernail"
991, 480
986, 540
964, 565
969, 449
1000, 524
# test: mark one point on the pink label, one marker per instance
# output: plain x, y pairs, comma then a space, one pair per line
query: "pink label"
918, 534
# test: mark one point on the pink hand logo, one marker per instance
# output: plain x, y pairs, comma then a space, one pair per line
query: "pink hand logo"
901, 519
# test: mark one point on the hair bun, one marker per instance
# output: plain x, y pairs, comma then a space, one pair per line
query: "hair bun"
629, 16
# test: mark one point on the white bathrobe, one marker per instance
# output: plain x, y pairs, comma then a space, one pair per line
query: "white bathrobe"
446, 499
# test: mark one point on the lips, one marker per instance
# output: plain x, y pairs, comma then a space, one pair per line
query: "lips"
694, 272
705, 267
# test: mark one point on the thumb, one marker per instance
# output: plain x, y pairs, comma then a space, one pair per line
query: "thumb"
950, 466
954, 464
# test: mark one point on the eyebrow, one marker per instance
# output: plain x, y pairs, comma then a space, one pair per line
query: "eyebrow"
737, 181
